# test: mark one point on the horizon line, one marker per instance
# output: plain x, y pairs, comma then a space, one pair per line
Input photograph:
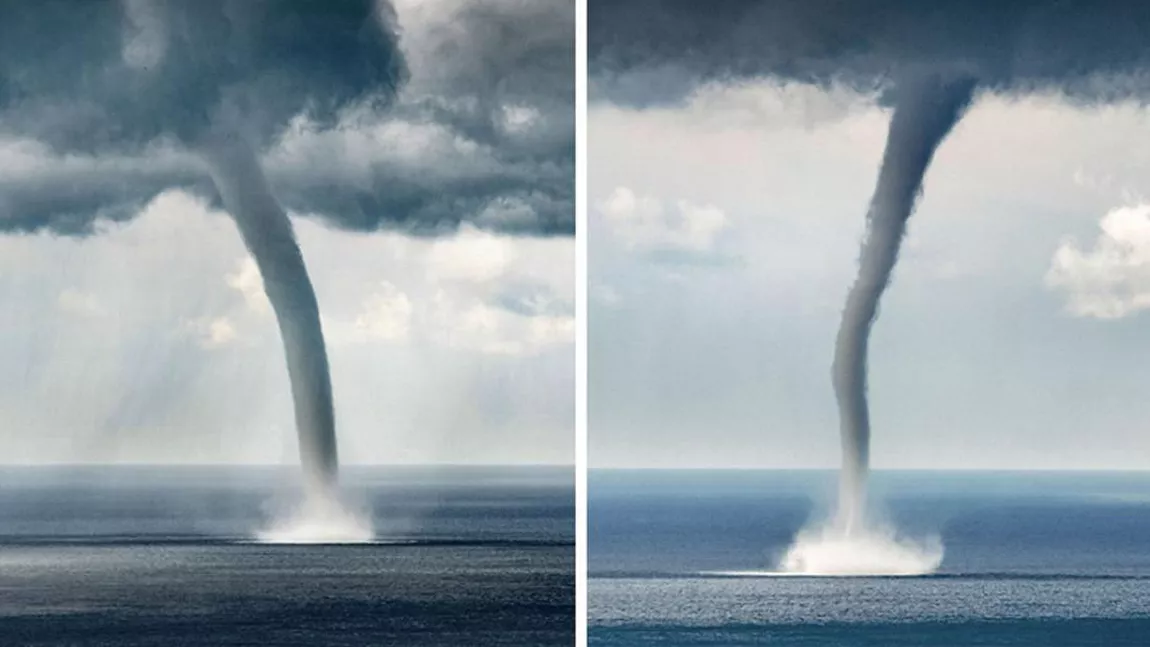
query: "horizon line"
277, 465
616, 468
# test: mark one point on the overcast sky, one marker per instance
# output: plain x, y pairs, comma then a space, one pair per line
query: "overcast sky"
150, 340
724, 234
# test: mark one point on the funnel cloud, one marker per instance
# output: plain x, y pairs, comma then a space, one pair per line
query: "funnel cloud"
926, 109
268, 235
218, 77
264, 108
924, 61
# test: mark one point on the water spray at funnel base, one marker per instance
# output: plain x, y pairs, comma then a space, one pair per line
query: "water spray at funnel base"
874, 550
319, 520
927, 107
267, 233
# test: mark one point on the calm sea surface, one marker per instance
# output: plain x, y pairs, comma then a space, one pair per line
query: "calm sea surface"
167, 556
1030, 559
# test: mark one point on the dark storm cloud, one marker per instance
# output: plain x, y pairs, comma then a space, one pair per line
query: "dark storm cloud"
93, 89
654, 51
495, 80
489, 187
70, 195
107, 75
496, 54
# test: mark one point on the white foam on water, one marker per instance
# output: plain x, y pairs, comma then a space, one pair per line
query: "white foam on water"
749, 574
320, 520
870, 550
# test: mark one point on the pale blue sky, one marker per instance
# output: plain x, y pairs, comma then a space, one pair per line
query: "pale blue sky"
724, 234
153, 342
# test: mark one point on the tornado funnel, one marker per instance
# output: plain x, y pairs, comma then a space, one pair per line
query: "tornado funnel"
267, 233
926, 108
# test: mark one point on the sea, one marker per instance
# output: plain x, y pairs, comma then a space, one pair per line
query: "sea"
172, 556
1030, 558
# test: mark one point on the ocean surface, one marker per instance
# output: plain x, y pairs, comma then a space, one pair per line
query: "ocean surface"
1038, 559
170, 557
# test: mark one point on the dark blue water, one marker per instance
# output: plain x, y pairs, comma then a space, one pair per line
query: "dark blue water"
165, 556
1031, 559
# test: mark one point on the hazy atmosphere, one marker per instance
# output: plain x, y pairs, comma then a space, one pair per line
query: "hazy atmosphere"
436, 225
723, 247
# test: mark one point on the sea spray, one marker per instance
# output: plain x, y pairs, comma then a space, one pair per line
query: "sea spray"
328, 519
873, 550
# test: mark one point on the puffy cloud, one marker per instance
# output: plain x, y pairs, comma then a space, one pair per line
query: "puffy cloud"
472, 292
247, 281
478, 326
485, 328
646, 224
1111, 280
386, 314
494, 295
213, 332
471, 256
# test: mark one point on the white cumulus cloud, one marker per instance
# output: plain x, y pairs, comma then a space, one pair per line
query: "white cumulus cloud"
248, 282
471, 256
212, 332
1112, 279
386, 314
646, 224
